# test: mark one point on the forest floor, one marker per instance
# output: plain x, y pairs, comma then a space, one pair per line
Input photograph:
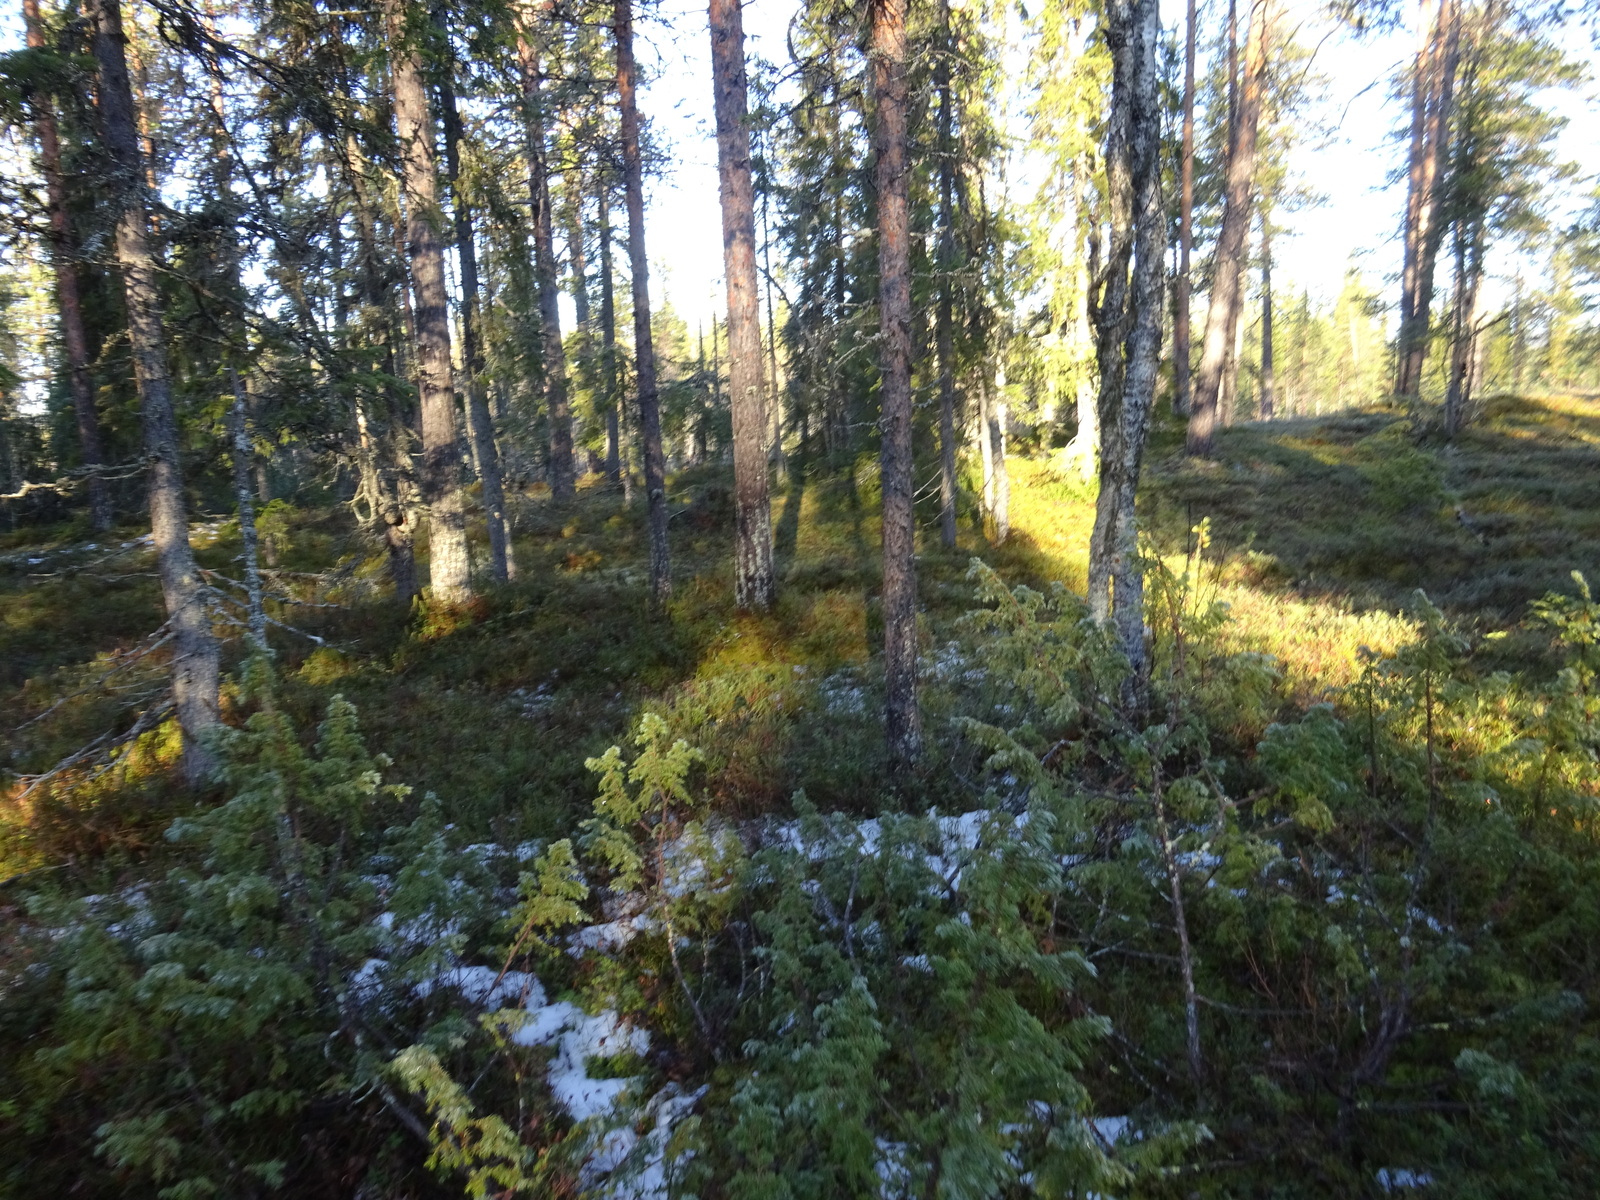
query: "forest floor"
1320, 530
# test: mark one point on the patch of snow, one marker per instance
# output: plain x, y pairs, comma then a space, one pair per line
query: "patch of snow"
579, 1037
609, 936
486, 987
1392, 1179
1112, 1130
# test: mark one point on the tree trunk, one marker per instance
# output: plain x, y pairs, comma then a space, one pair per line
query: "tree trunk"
1233, 67
1464, 334
1433, 92
1519, 336
480, 424
1085, 447
998, 421
381, 482
553, 354
243, 452
775, 400
63, 257
1222, 316
195, 668
943, 337
1181, 352
382, 456
887, 55
1125, 308
752, 554
616, 425
449, 564
1268, 383
985, 451
655, 466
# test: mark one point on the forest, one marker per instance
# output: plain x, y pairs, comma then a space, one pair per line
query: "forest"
930, 599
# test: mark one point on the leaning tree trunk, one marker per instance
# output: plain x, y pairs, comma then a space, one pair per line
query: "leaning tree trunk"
449, 564
195, 668
1182, 366
644, 353
1222, 316
480, 424
553, 354
63, 256
902, 720
943, 336
1125, 308
752, 553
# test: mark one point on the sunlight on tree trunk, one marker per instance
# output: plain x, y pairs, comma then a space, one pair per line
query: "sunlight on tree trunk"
480, 425
1222, 316
1126, 310
752, 546
887, 55
449, 566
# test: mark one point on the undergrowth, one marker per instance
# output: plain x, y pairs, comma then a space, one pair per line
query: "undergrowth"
1318, 916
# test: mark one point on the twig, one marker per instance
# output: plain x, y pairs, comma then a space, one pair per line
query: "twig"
127, 661
105, 744
67, 482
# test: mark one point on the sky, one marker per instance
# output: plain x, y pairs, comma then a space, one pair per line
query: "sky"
1356, 223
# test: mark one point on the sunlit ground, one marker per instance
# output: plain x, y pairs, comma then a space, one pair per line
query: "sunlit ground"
1320, 531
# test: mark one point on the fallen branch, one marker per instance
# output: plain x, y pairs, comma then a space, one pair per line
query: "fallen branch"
151, 644
103, 747
73, 478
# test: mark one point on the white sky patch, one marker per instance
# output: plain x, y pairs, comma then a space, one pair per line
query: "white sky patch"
1357, 223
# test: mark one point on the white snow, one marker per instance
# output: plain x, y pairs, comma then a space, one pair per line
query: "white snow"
1392, 1179
579, 1037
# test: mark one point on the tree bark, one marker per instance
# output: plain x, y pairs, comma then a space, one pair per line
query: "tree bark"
1268, 383
1433, 92
616, 424
1464, 334
449, 564
1222, 316
985, 451
753, 586
655, 465
1182, 366
998, 421
195, 667
243, 453
775, 401
562, 478
1125, 308
63, 257
480, 424
943, 336
385, 457
1085, 447
887, 56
